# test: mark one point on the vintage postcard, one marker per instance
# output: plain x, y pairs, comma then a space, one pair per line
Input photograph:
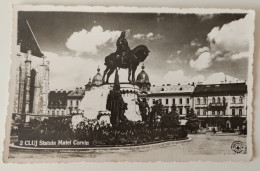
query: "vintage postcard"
106, 84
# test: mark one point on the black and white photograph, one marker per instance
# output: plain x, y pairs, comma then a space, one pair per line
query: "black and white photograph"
126, 84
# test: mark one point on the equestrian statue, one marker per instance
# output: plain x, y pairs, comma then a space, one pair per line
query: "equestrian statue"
125, 58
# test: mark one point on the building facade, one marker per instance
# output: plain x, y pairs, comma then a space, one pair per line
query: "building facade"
180, 95
57, 105
218, 104
74, 99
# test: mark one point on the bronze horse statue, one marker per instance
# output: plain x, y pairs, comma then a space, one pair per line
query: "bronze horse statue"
134, 57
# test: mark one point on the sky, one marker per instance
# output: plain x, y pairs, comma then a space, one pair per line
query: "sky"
184, 48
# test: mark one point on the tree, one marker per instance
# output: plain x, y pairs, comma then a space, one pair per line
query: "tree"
172, 119
175, 115
192, 124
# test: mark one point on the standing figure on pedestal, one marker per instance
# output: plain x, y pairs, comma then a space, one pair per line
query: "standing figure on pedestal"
116, 104
144, 108
155, 111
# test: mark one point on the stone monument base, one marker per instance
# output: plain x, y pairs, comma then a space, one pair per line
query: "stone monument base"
94, 101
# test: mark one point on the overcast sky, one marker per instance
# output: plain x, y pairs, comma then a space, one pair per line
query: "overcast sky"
184, 47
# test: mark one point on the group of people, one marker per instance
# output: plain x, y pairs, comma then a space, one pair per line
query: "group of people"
149, 114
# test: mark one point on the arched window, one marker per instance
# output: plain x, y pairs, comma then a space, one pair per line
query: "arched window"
58, 112
32, 89
204, 111
198, 112
233, 100
204, 100
224, 100
218, 100
198, 100
213, 100
240, 99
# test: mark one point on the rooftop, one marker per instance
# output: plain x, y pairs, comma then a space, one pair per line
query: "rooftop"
171, 89
79, 92
221, 88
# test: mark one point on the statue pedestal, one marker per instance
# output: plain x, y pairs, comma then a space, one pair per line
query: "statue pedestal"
94, 101
129, 94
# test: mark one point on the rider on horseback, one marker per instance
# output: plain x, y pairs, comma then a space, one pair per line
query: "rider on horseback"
122, 48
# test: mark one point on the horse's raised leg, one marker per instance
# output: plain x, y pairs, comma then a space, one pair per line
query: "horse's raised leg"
109, 73
105, 72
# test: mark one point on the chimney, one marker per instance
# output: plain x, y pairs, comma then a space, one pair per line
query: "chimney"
56, 90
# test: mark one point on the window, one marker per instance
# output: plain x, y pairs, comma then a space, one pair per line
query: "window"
71, 103
58, 112
198, 112
204, 112
188, 101
213, 112
166, 101
187, 111
218, 112
213, 100
77, 103
173, 101
198, 100
224, 100
180, 100
240, 100
53, 112
240, 112
224, 112
153, 101
62, 112
233, 100
233, 112
32, 90
204, 100
218, 101
166, 111
180, 110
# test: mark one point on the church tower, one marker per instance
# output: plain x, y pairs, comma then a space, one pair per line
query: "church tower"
143, 82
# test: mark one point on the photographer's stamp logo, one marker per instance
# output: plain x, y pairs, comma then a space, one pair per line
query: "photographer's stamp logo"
238, 146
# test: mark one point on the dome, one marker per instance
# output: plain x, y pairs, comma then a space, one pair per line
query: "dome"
97, 79
142, 77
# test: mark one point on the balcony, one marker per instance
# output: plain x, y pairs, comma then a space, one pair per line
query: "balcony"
236, 105
201, 105
217, 106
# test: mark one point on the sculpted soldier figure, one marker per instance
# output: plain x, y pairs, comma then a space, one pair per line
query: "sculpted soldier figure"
144, 108
122, 48
155, 111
